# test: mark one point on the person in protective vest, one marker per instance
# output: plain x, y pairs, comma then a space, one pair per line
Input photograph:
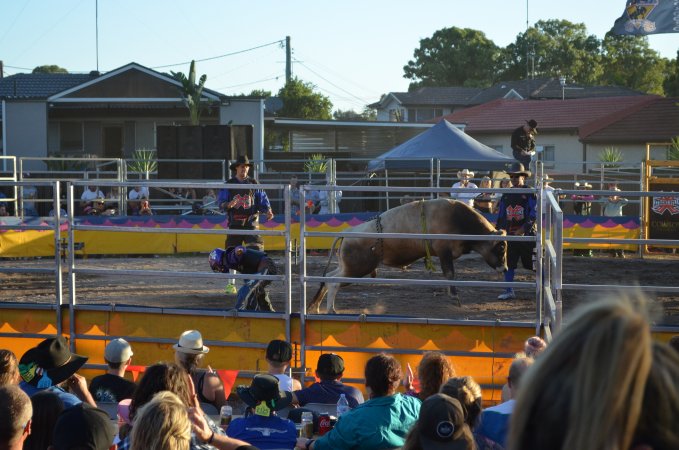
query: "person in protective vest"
253, 295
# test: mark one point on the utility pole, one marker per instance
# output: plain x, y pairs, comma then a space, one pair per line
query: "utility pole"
288, 60
96, 32
2, 70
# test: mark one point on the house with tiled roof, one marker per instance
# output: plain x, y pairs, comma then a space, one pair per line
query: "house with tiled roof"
425, 103
107, 115
574, 131
422, 104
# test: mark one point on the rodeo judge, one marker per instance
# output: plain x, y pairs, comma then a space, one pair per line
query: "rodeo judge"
516, 215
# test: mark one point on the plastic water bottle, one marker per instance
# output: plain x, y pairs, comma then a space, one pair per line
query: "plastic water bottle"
342, 405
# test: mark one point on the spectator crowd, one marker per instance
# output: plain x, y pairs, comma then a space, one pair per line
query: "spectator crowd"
602, 383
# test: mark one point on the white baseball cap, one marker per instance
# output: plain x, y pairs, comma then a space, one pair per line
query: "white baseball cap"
117, 351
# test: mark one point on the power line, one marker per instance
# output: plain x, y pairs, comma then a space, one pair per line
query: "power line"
18, 68
331, 83
279, 42
252, 82
337, 74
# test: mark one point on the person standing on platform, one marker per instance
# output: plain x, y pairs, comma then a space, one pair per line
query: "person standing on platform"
243, 207
523, 142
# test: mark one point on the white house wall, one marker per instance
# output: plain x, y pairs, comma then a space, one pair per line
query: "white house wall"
26, 128
246, 112
567, 148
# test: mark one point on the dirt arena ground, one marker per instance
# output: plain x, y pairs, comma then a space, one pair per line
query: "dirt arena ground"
477, 303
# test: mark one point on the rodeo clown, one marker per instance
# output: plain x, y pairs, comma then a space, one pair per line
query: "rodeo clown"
516, 215
253, 295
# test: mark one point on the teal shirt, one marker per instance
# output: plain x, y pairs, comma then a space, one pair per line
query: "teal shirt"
380, 423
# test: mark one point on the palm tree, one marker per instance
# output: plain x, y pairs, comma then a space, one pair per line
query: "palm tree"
191, 92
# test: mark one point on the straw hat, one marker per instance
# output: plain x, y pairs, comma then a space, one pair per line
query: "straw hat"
191, 342
465, 173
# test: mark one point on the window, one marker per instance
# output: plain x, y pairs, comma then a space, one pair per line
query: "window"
497, 148
548, 154
423, 114
71, 137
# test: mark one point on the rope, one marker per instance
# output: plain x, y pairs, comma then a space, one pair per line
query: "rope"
427, 258
380, 242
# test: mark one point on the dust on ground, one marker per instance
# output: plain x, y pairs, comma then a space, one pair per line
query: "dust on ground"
478, 303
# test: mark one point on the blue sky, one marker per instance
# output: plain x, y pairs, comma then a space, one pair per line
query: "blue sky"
352, 51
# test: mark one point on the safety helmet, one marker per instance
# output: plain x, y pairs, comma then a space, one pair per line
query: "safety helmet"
215, 260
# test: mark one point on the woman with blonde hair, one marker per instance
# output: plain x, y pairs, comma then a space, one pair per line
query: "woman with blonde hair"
468, 393
162, 424
587, 390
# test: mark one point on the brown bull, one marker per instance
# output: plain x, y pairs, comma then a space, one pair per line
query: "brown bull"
359, 257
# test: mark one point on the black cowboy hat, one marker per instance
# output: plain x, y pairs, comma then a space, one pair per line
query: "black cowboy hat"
533, 124
242, 159
49, 363
264, 388
518, 169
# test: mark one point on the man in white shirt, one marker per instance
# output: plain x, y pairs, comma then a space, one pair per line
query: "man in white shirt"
464, 176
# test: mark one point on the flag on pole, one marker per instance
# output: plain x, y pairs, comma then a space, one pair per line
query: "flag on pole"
643, 17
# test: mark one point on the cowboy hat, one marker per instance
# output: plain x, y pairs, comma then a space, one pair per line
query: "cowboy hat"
242, 159
49, 363
264, 388
517, 169
465, 173
191, 342
533, 124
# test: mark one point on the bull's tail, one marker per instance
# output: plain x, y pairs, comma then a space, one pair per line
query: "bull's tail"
322, 290
318, 298
332, 253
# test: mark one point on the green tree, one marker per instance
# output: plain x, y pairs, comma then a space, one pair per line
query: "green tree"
191, 92
628, 61
671, 84
557, 47
352, 116
453, 57
53, 68
301, 102
255, 93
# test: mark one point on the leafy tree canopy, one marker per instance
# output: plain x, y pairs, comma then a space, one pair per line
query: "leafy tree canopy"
302, 102
629, 61
53, 68
671, 83
255, 93
552, 48
352, 116
453, 57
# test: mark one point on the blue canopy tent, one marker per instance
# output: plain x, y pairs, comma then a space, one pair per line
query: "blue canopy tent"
444, 142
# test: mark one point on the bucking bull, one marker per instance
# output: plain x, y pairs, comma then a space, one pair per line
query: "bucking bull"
358, 257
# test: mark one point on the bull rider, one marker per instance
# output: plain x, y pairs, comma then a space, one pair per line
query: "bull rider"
253, 295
